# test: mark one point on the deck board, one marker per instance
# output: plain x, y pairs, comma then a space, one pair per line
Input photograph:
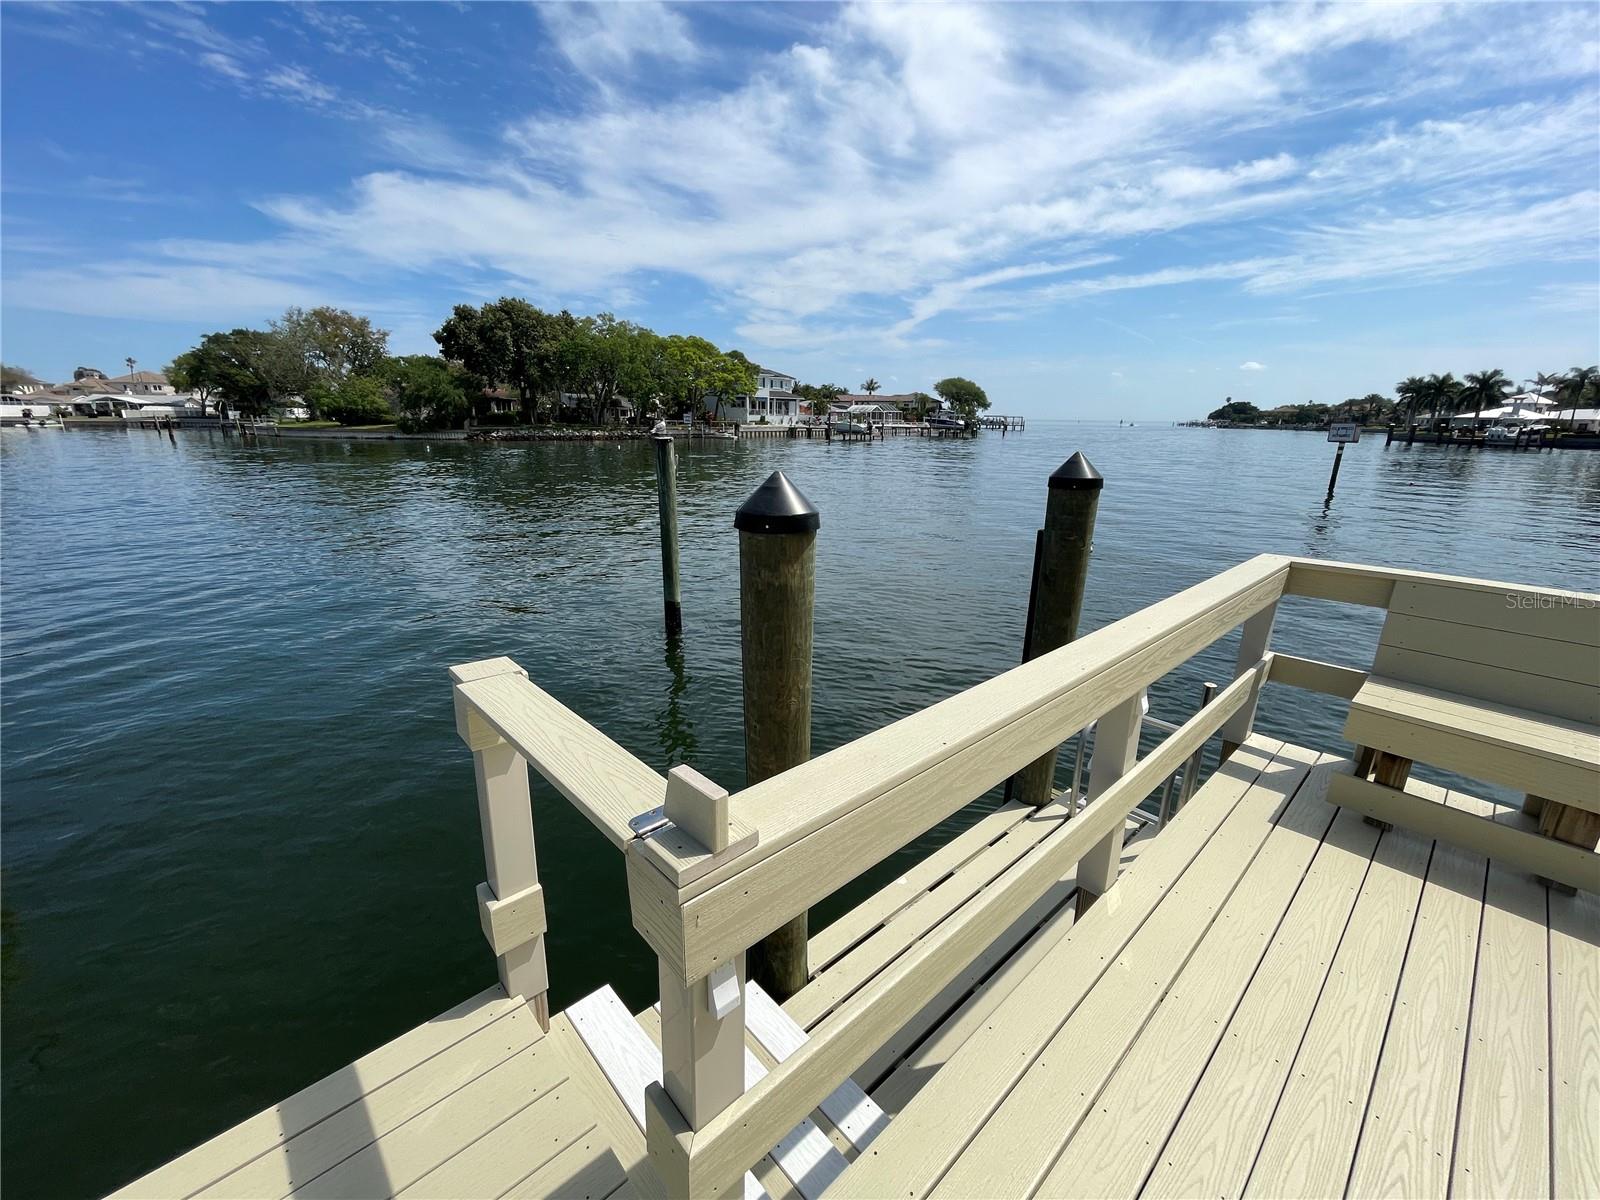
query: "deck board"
1311, 1139
1016, 1147
1214, 1144
1408, 1134
1277, 998
853, 927
922, 1141
265, 1134
1153, 1082
827, 990
1575, 1042
1503, 1136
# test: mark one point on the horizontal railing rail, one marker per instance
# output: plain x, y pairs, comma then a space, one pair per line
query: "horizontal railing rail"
607, 784
821, 824
724, 1147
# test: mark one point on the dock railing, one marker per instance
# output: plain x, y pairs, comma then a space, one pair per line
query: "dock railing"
709, 874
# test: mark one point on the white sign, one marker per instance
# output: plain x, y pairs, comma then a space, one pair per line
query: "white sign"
1344, 431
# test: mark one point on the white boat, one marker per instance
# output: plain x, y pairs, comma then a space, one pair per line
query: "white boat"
945, 421
1500, 435
29, 416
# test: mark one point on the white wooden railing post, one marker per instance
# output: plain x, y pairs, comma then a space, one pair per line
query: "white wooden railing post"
1116, 748
1253, 642
510, 902
702, 1020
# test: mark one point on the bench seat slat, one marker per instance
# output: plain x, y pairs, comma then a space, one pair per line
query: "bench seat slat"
1512, 747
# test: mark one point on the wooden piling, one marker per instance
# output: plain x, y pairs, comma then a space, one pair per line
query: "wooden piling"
1060, 569
667, 501
777, 592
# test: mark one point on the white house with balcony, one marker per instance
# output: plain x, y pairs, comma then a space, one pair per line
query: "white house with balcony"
774, 402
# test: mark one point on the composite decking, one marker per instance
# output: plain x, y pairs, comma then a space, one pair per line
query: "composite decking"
1280, 999
1276, 998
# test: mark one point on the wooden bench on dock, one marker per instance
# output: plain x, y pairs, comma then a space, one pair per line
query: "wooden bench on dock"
1270, 995
1498, 685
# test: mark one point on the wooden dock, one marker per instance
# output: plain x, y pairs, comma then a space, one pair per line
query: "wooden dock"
1319, 977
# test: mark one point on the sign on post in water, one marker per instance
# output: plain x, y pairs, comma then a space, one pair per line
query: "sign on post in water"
1344, 431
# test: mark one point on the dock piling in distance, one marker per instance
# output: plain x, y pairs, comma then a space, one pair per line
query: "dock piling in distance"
777, 593
1060, 569
667, 499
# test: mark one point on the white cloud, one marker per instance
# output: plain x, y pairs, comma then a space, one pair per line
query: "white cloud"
897, 165
296, 82
1252, 365
607, 37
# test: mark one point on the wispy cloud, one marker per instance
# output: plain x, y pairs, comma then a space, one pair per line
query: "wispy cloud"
893, 169
1252, 365
607, 37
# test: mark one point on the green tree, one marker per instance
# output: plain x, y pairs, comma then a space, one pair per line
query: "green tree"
695, 370
240, 366
1412, 390
871, 386
1579, 386
197, 371
509, 343
11, 377
426, 392
962, 395
1486, 387
1444, 394
1236, 412
1544, 384
326, 345
604, 359
356, 400
922, 404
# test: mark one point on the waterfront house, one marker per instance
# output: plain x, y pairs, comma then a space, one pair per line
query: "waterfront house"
1579, 420
1526, 409
902, 405
774, 402
141, 383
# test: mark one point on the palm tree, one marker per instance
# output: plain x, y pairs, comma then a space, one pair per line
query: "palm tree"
1443, 392
1412, 390
1543, 384
870, 386
1576, 383
1486, 385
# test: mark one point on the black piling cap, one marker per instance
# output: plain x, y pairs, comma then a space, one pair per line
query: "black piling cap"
1077, 472
777, 506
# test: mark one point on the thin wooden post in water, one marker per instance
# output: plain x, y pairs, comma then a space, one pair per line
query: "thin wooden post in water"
1060, 569
510, 902
667, 501
777, 593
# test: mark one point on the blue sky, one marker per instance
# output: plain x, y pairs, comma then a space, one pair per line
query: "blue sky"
1120, 210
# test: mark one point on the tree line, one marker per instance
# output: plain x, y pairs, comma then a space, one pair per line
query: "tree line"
1439, 395
553, 364
339, 364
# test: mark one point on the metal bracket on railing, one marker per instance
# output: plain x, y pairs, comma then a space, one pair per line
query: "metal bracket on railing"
648, 821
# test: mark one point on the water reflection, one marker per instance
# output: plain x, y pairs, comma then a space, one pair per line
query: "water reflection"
674, 725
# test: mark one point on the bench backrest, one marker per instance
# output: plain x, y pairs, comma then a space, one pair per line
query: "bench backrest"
1527, 649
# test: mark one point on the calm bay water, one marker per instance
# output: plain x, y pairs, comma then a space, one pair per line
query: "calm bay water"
240, 840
